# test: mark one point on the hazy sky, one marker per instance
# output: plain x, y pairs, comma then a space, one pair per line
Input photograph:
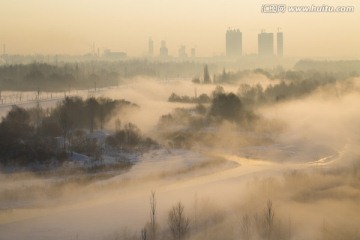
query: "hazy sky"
72, 26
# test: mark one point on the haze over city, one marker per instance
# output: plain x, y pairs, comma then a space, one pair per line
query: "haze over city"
73, 27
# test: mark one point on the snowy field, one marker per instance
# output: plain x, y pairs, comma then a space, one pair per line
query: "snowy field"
106, 206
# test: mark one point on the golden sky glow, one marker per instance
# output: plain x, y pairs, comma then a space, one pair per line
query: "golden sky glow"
72, 26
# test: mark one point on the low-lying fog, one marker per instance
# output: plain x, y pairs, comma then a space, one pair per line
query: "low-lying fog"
304, 183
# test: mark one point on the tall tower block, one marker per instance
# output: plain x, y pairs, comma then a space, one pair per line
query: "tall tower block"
265, 44
233, 43
280, 44
151, 48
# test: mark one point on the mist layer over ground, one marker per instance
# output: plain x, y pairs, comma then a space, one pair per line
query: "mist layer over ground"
298, 159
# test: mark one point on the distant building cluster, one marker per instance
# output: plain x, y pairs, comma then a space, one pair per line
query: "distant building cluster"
267, 47
265, 43
164, 51
114, 55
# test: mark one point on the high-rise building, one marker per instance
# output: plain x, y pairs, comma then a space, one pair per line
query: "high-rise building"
280, 44
193, 52
151, 48
265, 44
233, 43
163, 50
182, 52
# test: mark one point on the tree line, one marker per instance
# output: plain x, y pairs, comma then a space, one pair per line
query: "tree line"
39, 136
203, 98
84, 75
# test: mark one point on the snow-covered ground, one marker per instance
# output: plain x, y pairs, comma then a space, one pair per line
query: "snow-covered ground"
125, 203
30, 99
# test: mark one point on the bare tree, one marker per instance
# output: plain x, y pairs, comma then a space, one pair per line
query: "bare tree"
144, 234
178, 223
246, 227
289, 229
268, 220
258, 225
195, 211
152, 215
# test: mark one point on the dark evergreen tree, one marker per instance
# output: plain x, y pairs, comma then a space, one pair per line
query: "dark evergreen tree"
207, 79
226, 106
